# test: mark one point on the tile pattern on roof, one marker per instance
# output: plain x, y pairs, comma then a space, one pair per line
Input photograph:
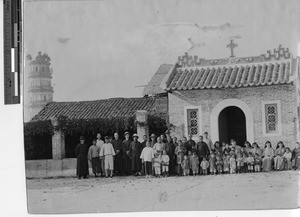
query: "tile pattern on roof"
230, 76
115, 107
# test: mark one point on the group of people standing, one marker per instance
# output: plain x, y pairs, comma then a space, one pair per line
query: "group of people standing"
164, 156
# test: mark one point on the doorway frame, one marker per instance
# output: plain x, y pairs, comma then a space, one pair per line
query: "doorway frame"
214, 118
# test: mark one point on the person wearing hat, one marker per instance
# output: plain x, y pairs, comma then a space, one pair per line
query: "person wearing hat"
135, 153
126, 164
153, 140
81, 152
107, 151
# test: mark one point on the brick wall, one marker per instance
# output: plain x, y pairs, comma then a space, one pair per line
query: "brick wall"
252, 96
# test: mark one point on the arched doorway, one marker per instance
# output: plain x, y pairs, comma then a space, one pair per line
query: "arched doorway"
214, 118
232, 125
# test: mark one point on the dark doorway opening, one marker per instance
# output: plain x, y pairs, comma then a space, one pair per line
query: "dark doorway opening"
232, 125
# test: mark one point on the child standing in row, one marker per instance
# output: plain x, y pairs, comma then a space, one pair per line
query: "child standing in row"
186, 165
257, 163
212, 163
157, 164
204, 165
226, 163
219, 164
194, 161
232, 163
165, 164
250, 162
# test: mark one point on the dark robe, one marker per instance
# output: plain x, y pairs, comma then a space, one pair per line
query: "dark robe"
126, 168
170, 149
135, 153
81, 153
143, 145
189, 145
202, 149
118, 157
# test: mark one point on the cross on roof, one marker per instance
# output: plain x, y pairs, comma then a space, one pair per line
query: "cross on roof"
231, 46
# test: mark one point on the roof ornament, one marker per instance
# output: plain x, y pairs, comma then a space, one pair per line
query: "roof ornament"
188, 61
231, 46
277, 54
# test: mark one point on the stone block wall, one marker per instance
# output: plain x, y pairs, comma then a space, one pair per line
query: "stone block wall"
207, 99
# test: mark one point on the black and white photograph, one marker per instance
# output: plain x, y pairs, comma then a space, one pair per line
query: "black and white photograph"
161, 105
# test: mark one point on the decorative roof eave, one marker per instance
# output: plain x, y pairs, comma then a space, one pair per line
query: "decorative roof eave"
235, 64
227, 87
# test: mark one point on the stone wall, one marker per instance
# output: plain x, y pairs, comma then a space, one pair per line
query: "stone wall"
207, 99
51, 168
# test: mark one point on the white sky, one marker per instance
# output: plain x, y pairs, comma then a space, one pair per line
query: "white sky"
103, 49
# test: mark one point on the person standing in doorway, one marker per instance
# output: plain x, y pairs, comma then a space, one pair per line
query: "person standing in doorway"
100, 143
81, 153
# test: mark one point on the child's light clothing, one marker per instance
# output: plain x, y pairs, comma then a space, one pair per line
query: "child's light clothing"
232, 164
186, 167
165, 163
157, 165
287, 160
226, 164
194, 160
257, 163
204, 166
219, 164
250, 163
212, 164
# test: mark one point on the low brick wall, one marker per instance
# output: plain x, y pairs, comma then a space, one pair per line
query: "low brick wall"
50, 168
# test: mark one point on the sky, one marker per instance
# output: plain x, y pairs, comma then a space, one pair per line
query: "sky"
105, 49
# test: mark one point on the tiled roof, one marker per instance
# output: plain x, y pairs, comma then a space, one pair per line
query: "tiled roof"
153, 87
114, 107
232, 76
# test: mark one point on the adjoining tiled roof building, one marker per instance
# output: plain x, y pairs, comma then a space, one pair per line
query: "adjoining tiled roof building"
104, 108
251, 98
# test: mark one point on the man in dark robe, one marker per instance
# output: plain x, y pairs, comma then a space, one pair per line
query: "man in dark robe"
135, 153
191, 143
126, 167
170, 149
118, 157
186, 145
202, 150
81, 152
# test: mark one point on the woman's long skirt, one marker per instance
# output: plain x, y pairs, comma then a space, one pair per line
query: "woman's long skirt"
266, 164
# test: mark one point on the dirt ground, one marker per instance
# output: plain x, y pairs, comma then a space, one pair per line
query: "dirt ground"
122, 194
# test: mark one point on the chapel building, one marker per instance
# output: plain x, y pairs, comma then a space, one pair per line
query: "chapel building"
250, 98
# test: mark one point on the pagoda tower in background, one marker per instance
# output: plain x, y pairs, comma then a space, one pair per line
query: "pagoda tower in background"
40, 90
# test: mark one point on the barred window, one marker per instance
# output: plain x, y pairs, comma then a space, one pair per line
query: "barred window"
271, 118
192, 116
